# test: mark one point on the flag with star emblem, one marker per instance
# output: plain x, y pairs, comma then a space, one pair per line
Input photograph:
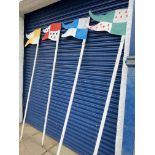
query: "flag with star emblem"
52, 32
114, 22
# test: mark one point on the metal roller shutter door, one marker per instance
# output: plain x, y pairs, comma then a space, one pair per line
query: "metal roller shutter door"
94, 78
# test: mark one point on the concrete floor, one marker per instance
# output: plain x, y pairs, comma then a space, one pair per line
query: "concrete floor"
31, 144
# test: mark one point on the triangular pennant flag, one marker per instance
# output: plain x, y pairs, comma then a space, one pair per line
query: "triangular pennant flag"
52, 32
78, 28
33, 37
114, 22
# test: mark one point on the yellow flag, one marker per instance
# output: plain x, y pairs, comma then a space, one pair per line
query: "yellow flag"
33, 37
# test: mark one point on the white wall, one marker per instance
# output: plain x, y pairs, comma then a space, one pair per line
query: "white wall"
26, 6
21, 56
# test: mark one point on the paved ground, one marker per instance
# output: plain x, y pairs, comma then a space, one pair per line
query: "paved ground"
31, 144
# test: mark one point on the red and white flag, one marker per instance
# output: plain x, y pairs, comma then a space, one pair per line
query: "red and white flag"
52, 32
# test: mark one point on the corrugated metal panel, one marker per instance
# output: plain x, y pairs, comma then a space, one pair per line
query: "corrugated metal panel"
94, 78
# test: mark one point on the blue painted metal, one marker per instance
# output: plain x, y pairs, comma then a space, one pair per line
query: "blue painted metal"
93, 83
129, 120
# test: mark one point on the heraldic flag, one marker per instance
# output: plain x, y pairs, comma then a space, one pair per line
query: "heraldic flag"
114, 22
52, 32
78, 28
33, 37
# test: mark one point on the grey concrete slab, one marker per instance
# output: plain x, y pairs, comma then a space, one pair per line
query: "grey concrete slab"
30, 147
31, 144
64, 151
48, 142
48, 153
28, 131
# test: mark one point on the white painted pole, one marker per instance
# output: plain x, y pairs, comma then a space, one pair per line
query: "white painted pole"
109, 96
71, 97
28, 97
50, 91
121, 108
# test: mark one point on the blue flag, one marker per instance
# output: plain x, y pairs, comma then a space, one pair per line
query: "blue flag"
78, 28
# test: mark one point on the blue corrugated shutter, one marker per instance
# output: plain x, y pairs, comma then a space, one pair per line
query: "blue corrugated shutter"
94, 78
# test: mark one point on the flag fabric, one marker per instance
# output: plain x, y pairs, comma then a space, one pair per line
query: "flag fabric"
52, 32
33, 37
78, 28
114, 22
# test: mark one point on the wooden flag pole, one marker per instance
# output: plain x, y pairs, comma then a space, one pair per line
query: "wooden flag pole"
50, 91
109, 96
30, 86
71, 97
